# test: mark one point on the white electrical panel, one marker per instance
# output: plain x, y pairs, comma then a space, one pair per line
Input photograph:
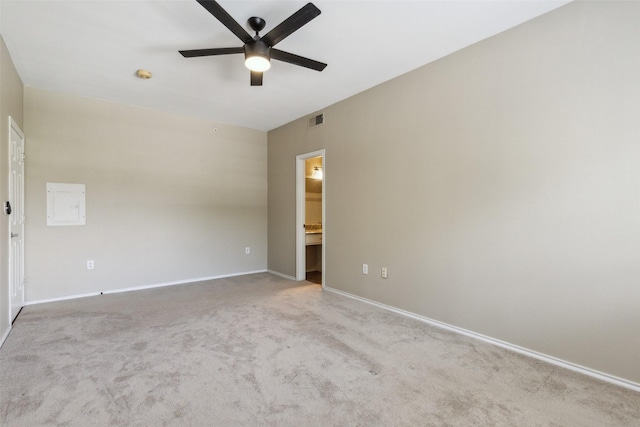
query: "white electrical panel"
66, 204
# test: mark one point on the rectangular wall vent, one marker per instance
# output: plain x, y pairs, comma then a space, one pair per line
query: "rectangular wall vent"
316, 120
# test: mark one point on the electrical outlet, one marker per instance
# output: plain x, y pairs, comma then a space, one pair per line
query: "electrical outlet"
365, 268
90, 264
247, 250
384, 273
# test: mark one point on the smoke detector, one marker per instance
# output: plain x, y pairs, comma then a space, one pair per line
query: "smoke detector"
143, 74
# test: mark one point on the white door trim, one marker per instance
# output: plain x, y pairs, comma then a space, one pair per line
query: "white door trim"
301, 270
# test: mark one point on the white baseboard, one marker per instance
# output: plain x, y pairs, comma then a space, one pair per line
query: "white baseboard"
143, 287
286, 276
64, 298
512, 347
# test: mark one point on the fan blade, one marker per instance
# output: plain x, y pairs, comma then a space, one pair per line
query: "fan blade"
291, 24
297, 60
256, 78
221, 15
210, 52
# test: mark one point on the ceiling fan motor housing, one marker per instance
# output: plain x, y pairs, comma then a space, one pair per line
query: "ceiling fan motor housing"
257, 48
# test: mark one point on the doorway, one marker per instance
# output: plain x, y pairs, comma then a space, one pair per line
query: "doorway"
310, 217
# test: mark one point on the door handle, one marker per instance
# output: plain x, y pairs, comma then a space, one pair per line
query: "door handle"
7, 208
14, 235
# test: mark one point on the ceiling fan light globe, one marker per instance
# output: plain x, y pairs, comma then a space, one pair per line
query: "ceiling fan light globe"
257, 63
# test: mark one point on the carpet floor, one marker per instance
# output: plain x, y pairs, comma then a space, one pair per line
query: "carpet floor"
259, 350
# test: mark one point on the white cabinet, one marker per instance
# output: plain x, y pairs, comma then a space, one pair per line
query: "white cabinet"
313, 238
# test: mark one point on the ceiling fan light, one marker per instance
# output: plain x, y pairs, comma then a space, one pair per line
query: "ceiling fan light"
257, 63
256, 56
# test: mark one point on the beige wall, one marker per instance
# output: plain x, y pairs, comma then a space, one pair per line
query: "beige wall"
11, 91
168, 198
499, 185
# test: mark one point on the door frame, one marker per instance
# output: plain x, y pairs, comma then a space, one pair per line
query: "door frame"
301, 268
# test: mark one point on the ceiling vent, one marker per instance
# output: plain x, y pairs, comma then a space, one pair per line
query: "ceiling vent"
316, 120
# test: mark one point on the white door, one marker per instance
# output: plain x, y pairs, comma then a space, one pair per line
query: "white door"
16, 218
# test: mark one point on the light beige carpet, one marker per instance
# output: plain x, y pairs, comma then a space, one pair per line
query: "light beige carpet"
259, 350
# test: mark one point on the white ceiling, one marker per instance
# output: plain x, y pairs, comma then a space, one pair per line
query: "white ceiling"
93, 48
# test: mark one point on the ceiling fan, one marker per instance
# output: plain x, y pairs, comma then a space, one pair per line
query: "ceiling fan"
258, 51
